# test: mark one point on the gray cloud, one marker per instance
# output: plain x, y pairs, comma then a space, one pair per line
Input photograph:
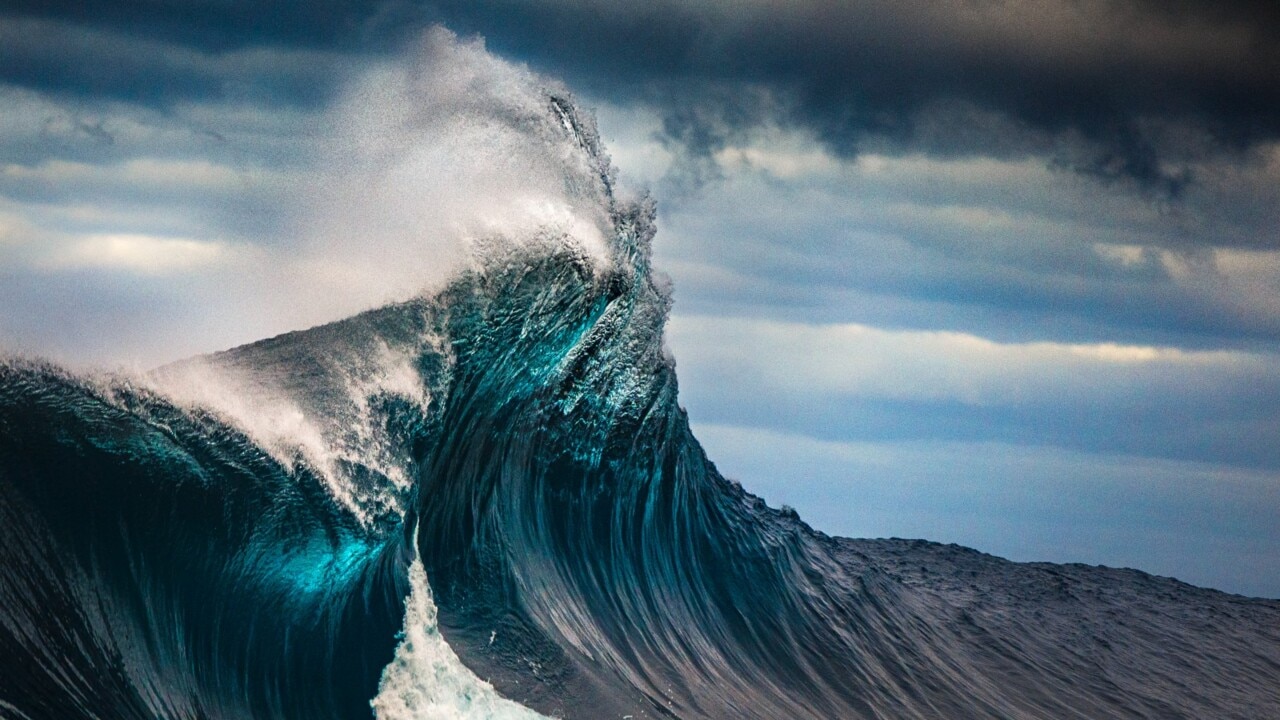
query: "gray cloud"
95, 62
859, 383
1132, 91
1115, 82
231, 24
1002, 248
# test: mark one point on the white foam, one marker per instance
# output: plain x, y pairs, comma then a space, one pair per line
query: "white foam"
350, 433
426, 680
271, 419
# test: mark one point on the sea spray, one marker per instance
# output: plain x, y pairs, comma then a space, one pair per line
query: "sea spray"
426, 680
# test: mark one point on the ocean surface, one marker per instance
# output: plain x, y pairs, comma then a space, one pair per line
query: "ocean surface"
486, 502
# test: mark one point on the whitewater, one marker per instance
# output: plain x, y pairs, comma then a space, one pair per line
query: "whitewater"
484, 500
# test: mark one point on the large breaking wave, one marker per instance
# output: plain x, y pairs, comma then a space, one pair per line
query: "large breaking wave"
485, 502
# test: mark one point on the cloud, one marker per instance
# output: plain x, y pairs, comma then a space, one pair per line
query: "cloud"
140, 253
86, 61
862, 361
1106, 85
854, 382
220, 26
156, 179
1003, 247
1131, 91
39, 128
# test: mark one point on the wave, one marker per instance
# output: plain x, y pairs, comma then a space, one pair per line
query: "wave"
487, 502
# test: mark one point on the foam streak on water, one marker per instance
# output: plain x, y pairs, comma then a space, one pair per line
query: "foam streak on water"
426, 680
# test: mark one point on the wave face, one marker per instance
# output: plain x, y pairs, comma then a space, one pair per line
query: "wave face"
487, 503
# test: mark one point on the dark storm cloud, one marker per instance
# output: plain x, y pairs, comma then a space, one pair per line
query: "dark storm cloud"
1117, 90
225, 25
1118, 81
98, 63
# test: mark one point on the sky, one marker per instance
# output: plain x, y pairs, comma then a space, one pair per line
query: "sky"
998, 273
